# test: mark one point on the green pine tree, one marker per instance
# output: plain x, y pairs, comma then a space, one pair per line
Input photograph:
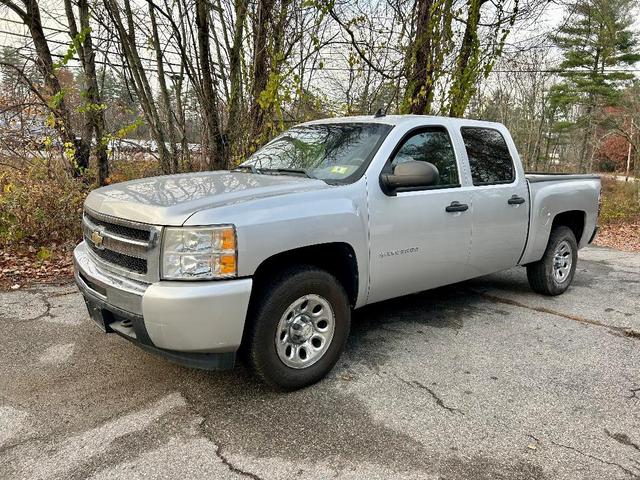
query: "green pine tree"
597, 43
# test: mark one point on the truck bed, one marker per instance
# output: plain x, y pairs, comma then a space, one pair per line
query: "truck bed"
554, 193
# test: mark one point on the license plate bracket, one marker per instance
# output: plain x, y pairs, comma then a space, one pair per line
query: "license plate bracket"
96, 315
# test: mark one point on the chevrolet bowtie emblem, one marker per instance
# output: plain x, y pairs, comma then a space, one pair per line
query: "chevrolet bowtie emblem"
97, 238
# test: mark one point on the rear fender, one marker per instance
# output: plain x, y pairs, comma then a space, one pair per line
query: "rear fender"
549, 202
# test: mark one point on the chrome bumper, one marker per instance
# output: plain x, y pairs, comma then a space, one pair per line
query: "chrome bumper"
195, 317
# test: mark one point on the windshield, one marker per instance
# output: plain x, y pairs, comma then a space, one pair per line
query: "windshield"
330, 151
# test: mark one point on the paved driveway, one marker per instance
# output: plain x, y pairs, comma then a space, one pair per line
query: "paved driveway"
479, 380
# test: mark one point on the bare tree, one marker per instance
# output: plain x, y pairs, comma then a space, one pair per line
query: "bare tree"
209, 88
52, 95
126, 33
93, 108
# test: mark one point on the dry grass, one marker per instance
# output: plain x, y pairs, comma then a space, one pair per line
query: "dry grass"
620, 216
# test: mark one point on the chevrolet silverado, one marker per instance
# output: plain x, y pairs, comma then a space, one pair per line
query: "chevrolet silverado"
268, 260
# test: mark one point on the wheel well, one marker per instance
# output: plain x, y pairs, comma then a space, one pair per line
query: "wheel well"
339, 259
574, 219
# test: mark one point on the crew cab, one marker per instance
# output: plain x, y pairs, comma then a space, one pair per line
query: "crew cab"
269, 259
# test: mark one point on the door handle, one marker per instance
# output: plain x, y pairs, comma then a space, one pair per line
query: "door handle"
515, 200
457, 207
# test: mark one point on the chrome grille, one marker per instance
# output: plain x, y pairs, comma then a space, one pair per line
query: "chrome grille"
122, 230
126, 247
138, 265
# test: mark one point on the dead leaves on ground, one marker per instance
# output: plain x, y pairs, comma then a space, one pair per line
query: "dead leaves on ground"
623, 236
21, 269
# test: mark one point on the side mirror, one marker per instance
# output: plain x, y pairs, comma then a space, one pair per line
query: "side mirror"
410, 174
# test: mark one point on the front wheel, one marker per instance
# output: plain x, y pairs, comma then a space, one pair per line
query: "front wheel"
553, 274
298, 328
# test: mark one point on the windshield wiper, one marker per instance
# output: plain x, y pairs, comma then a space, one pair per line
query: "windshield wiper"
298, 171
273, 171
250, 168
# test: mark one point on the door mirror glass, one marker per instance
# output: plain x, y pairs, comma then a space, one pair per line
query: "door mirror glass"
410, 174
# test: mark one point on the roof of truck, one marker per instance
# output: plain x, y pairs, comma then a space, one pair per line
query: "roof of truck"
396, 119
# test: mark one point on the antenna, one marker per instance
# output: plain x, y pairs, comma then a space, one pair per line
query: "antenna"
379, 113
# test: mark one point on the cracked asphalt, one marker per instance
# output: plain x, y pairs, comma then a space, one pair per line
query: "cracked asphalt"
480, 380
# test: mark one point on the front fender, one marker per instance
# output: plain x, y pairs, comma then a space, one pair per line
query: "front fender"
267, 227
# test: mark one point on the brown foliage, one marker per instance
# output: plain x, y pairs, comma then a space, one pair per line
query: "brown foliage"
18, 270
39, 208
131, 169
40, 220
621, 236
619, 216
620, 202
612, 153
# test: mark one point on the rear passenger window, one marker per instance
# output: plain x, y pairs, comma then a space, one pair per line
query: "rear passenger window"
489, 156
433, 146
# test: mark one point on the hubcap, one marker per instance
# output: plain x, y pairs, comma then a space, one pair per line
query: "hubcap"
305, 331
562, 261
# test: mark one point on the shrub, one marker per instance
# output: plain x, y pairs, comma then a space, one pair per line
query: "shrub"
38, 208
41, 206
137, 167
620, 203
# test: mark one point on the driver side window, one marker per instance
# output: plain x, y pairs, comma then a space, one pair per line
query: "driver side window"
433, 146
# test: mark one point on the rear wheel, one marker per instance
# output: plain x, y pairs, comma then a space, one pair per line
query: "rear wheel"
553, 274
298, 328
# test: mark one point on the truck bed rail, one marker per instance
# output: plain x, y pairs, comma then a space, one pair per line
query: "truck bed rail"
535, 177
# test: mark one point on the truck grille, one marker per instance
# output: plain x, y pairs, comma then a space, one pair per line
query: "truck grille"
138, 265
120, 243
122, 230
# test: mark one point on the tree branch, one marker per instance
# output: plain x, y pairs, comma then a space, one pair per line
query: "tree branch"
361, 53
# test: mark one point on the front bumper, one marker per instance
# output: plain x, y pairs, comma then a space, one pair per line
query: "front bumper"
198, 324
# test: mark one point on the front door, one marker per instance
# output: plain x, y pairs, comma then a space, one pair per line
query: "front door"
500, 200
420, 239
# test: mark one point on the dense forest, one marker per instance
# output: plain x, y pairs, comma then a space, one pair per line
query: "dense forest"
98, 92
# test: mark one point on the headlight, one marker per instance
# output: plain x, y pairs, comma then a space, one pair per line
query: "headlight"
199, 253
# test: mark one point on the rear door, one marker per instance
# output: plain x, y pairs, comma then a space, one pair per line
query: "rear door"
418, 239
500, 201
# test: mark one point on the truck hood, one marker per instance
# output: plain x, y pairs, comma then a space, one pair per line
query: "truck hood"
172, 199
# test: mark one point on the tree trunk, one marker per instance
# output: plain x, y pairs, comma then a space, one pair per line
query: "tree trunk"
425, 56
140, 81
261, 62
419, 92
181, 119
164, 93
30, 16
210, 111
464, 75
93, 94
584, 145
94, 115
235, 72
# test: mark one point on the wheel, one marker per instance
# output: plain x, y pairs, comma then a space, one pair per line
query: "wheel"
553, 274
298, 328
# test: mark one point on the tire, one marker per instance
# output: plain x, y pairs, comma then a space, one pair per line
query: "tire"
279, 319
547, 278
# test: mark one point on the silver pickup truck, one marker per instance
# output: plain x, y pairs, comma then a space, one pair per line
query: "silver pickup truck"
268, 260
